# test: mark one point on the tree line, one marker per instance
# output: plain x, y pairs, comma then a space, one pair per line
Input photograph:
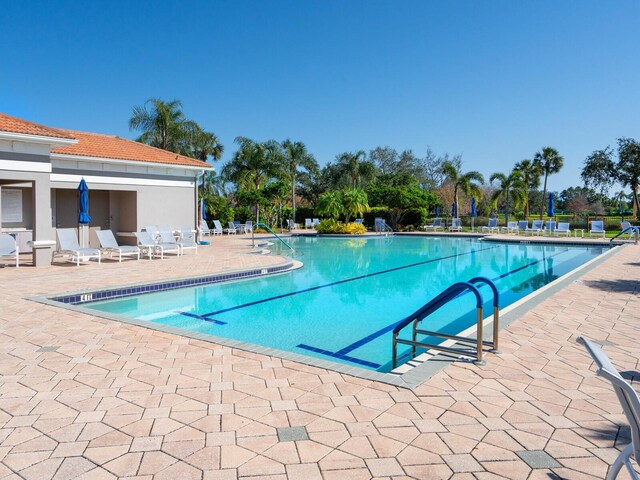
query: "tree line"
272, 180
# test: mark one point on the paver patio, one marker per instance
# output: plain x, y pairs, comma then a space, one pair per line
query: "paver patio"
85, 397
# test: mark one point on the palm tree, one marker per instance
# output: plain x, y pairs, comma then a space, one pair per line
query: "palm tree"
531, 176
549, 161
510, 187
330, 204
356, 167
463, 182
295, 155
355, 202
253, 165
161, 123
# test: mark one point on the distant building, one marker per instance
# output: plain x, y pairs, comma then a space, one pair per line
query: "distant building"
131, 185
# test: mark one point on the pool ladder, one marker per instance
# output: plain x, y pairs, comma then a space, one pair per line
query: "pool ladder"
632, 231
442, 299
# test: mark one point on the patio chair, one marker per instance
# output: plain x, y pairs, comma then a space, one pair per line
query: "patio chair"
630, 403
523, 225
455, 225
165, 228
109, 244
217, 228
491, 226
204, 229
437, 224
316, 222
188, 241
631, 229
512, 227
360, 221
169, 242
232, 230
562, 229
536, 227
68, 241
549, 228
248, 226
9, 248
597, 228
146, 243
153, 231
145, 240
308, 223
291, 225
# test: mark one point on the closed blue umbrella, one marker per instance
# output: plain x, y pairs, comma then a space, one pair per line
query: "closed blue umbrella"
550, 212
474, 212
203, 212
454, 210
437, 212
83, 203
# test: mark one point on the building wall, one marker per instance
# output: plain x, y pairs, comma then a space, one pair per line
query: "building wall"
174, 206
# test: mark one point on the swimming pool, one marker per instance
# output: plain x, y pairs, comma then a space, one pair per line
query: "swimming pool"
343, 304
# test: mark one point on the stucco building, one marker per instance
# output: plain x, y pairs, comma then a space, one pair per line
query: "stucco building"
131, 185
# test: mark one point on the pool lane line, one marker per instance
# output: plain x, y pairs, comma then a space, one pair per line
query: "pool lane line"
347, 280
343, 353
200, 317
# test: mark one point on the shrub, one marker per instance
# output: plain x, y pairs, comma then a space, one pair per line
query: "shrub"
414, 217
373, 213
331, 226
302, 213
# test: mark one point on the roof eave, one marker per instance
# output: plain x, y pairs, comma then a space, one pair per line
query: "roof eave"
68, 156
54, 142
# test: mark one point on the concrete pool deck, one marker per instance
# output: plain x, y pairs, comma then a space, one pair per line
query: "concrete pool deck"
85, 397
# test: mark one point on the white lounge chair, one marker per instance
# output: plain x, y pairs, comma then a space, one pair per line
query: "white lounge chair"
491, 226
631, 230
217, 228
204, 229
188, 241
248, 226
360, 221
512, 227
109, 244
456, 225
562, 229
437, 224
146, 243
315, 222
536, 227
549, 228
168, 240
68, 241
145, 240
597, 228
153, 231
630, 403
523, 226
9, 248
232, 230
308, 223
291, 225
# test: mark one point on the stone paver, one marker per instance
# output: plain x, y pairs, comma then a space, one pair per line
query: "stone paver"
85, 397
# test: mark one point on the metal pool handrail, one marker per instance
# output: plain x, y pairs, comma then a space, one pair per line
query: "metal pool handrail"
260, 224
443, 298
626, 230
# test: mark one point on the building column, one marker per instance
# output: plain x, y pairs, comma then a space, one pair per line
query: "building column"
44, 240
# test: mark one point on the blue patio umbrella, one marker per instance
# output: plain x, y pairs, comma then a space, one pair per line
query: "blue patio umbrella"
203, 212
454, 210
83, 203
437, 212
550, 212
474, 212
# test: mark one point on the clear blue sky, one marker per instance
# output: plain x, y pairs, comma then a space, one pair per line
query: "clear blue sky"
492, 80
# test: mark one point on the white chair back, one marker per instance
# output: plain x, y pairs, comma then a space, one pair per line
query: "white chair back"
493, 223
523, 224
537, 224
107, 239
455, 222
144, 238
597, 225
7, 245
67, 239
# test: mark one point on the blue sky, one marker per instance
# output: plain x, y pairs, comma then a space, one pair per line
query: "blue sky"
492, 80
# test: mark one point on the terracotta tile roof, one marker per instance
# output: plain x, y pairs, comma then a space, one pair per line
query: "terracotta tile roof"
12, 124
109, 146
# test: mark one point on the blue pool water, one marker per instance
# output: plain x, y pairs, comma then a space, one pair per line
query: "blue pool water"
344, 302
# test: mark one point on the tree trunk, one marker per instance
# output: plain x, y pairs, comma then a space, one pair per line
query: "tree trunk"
506, 209
544, 194
293, 198
636, 202
526, 204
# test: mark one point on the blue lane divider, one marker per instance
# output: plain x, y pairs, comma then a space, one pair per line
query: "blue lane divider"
347, 280
200, 317
343, 353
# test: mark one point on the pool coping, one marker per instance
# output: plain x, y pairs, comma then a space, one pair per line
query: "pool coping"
410, 379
